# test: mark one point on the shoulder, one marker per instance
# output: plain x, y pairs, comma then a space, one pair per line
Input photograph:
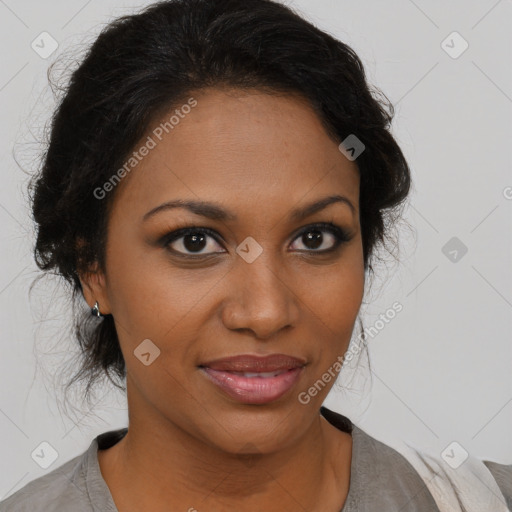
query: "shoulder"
502, 473
429, 482
76, 485
460, 481
59, 490
383, 479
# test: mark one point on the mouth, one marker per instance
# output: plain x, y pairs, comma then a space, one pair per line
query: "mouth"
252, 379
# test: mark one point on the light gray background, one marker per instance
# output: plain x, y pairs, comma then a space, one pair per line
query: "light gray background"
442, 367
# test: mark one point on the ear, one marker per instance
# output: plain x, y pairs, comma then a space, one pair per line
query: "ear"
94, 288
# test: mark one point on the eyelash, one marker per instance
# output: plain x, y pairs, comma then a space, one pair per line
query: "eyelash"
341, 236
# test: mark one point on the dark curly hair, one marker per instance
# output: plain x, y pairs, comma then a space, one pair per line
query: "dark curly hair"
144, 64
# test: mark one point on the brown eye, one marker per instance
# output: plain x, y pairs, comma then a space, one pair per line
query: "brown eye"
313, 237
192, 242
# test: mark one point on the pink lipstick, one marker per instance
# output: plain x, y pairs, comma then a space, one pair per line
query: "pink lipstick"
254, 379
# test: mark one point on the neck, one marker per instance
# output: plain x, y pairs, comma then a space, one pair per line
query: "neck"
148, 472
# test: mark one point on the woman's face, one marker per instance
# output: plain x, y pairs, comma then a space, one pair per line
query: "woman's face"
255, 284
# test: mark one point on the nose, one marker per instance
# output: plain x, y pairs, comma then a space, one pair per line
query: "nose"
260, 299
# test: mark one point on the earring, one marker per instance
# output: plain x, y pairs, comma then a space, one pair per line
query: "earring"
95, 311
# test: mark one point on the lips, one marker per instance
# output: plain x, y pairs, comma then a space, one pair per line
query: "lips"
256, 364
254, 380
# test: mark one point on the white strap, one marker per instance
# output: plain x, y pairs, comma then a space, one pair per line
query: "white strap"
470, 487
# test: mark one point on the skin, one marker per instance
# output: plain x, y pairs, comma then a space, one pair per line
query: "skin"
260, 156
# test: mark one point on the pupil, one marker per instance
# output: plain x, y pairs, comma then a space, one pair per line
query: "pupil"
312, 239
197, 242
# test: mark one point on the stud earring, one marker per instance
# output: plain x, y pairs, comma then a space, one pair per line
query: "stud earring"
95, 311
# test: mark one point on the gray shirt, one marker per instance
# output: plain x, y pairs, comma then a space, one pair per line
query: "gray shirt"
381, 480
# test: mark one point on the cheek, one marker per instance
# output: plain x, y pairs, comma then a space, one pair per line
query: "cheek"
332, 303
334, 294
148, 294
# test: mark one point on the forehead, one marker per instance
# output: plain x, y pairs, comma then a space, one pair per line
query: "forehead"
239, 146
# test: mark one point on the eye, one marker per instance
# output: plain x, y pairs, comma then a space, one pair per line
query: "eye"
192, 239
312, 237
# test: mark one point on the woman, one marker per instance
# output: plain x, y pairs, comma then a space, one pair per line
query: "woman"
217, 180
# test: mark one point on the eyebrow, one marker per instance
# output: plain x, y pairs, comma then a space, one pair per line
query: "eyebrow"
216, 212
